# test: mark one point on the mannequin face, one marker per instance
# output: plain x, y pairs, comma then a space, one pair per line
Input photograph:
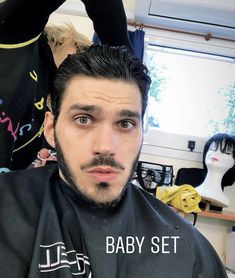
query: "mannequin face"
217, 159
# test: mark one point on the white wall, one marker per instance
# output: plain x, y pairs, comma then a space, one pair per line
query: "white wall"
215, 230
82, 24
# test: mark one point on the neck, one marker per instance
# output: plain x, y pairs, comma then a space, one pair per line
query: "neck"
213, 181
211, 189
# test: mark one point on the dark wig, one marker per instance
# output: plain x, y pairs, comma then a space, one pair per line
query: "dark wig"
103, 62
226, 143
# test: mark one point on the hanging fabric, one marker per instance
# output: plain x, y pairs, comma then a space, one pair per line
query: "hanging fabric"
137, 40
96, 39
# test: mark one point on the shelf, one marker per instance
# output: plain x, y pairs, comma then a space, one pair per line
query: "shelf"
224, 215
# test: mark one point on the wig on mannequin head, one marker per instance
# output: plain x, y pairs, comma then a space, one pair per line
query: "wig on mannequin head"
226, 143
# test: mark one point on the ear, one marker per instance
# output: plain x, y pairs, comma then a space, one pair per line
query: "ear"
49, 129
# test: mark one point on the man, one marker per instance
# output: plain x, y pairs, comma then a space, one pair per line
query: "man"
83, 218
28, 63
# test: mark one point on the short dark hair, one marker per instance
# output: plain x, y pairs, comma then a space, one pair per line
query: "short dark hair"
226, 143
114, 63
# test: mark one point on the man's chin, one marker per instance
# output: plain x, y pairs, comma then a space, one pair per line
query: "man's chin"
101, 203
103, 198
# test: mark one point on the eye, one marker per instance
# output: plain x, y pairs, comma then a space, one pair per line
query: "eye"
126, 124
213, 147
83, 120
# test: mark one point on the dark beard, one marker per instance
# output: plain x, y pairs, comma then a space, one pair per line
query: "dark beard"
102, 186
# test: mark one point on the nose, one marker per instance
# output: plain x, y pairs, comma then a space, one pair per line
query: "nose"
104, 141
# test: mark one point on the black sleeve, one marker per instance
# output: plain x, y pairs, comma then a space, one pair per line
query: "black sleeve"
22, 20
109, 20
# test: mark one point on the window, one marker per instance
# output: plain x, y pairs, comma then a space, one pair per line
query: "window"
192, 96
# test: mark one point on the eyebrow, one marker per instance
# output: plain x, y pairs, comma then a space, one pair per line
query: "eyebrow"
85, 107
97, 109
129, 113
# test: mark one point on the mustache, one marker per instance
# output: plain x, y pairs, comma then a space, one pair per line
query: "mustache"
102, 160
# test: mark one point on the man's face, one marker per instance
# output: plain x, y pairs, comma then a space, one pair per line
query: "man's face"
98, 136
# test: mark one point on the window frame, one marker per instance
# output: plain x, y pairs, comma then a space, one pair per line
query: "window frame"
161, 143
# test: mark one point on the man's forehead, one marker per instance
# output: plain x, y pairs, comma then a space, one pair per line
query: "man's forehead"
101, 93
115, 88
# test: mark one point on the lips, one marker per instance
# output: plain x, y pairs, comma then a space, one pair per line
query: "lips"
103, 174
214, 158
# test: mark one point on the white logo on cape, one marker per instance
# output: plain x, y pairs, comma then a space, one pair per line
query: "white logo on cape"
54, 257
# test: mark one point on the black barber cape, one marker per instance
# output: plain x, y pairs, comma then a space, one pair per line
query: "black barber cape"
48, 231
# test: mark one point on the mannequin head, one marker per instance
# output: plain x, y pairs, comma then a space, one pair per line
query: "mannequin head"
219, 169
219, 152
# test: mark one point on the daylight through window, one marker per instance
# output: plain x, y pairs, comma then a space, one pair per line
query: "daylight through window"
192, 93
